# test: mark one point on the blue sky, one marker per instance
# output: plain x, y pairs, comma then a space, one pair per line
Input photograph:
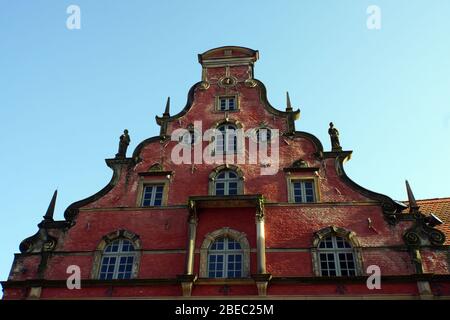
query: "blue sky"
66, 95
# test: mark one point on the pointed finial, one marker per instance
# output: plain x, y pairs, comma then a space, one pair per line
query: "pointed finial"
413, 207
167, 111
288, 103
51, 207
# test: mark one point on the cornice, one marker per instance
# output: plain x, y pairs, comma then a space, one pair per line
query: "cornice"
244, 281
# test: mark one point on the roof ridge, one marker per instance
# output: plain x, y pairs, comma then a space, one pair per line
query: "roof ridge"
431, 199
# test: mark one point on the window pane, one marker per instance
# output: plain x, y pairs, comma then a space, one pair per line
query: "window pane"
223, 104
148, 190
115, 246
232, 175
220, 185
231, 104
232, 185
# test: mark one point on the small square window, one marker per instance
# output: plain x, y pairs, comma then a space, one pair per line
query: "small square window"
227, 104
302, 191
152, 195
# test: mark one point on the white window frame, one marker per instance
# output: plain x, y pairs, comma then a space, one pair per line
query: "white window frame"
153, 194
226, 181
118, 255
225, 253
227, 103
335, 251
229, 132
303, 190
268, 135
190, 138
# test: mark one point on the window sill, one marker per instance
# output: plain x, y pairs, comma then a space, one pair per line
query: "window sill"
223, 111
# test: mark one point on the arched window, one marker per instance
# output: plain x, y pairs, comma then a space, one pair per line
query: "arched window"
117, 256
336, 252
117, 260
226, 139
263, 135
227, 183
225, 253
190, 137
226, 180
225, 259
336, 257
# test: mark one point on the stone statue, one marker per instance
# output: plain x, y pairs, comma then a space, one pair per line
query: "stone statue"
334, 136
123, 144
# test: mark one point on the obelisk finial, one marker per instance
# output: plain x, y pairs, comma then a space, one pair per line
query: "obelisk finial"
288, 103
167, 110
413, 207
51, 207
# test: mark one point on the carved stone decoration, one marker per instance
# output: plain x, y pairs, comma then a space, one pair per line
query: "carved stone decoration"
187, 282
411, 238
49, 245
300, 163
39, 242
156, 167
334, 136
425, 291
204, 85
416, 259
262, 281
35, 293
250, 83
423, 231
260, 209
123, 145
42, 241
389, 211
227, 81
192, 217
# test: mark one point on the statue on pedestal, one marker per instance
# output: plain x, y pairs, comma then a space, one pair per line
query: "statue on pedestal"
334, 136
123, 145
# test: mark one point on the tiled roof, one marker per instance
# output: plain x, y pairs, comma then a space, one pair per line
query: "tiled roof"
440, 207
